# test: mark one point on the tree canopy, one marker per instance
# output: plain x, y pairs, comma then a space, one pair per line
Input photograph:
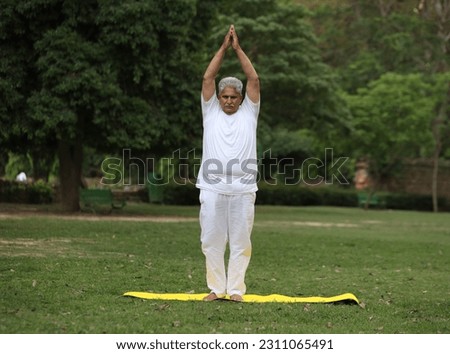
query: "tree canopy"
104, 74
107, 75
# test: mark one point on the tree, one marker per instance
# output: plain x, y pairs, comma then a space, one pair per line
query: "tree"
391, 120
299, 91
105, 74
437, 13
364, 39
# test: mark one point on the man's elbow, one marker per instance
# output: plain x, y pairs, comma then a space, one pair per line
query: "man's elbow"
254, 79
208, 77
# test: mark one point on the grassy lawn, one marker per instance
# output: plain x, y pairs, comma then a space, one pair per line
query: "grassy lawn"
63, 273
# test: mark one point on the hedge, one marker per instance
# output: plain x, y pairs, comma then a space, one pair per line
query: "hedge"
28, 193
187, 194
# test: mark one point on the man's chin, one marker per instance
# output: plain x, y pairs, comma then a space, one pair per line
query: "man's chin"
229, 110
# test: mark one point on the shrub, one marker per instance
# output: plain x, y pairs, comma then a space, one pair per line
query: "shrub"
333, 196
405, 201
39, 193
180, 194
287, 195
33, 193
187, 194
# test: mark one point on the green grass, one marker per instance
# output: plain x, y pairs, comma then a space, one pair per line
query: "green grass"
60, 274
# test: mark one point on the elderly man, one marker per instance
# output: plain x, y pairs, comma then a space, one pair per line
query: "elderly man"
227, 177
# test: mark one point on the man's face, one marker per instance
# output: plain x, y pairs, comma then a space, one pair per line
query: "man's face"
230, 99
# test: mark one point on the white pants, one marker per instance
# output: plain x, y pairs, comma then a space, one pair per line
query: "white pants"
226, 218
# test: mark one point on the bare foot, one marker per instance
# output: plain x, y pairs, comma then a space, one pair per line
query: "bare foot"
211, 297
236, 298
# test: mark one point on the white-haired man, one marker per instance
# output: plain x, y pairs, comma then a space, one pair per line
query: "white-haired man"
227, 176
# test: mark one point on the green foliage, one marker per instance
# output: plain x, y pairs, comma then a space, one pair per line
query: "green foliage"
300, 103
114, 74
38, 192
391, 119
127, 74
289, 147
286, 195
181, 194
364, 40
294, 195
101, 74
298, 90
402, 201
16, 164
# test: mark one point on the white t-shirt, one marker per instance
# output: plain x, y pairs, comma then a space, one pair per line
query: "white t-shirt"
229, 161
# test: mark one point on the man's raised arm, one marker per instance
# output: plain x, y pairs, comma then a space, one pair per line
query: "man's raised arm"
252, 88
209, 77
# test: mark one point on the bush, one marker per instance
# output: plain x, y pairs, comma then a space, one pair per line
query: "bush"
39, 193
287, 195
32, 193
302, 195
187, 194
180, 194
404, 201
333, 196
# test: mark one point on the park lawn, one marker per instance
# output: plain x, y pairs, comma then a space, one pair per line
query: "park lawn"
64, 273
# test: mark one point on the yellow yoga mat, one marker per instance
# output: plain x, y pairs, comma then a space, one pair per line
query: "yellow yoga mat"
247, 298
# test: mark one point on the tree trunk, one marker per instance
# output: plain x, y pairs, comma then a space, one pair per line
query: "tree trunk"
436, 127
70, 156
434, 189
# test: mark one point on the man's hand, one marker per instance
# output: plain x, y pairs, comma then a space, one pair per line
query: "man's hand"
252, 88
234, 38
209, 86
227, 41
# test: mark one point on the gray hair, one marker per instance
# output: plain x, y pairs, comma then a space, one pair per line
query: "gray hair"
232, 82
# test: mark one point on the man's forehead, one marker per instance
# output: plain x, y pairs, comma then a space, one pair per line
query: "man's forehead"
229, 90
